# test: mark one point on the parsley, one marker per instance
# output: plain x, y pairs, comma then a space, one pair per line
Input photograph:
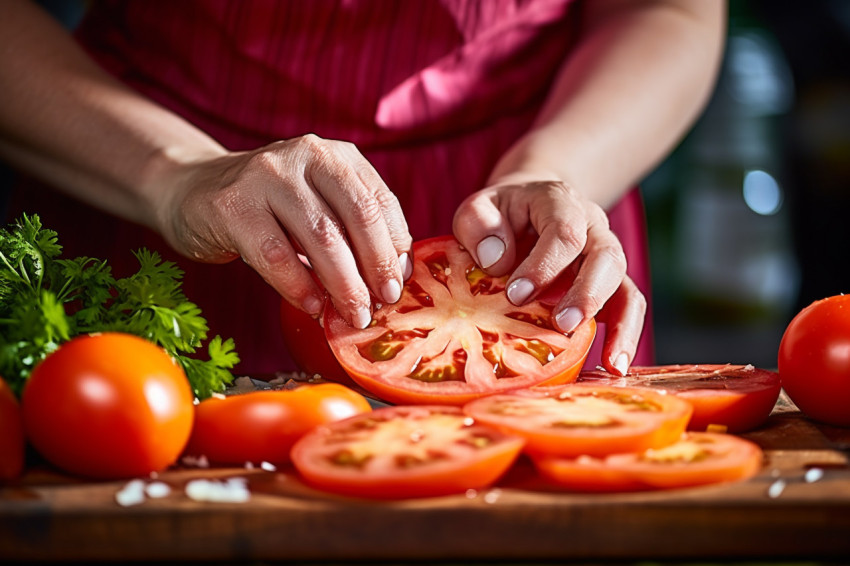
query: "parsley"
46, 300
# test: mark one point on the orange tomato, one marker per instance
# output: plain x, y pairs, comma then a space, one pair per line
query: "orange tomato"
262, 426
108, 405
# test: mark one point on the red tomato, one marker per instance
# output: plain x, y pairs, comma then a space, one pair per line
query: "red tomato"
580, 419
11, 434
400, 452
699, 458
737, 397
454, 336
306, 343
108, 406
262, 426
814, 360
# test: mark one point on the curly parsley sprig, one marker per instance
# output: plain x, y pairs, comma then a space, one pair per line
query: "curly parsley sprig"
46, 300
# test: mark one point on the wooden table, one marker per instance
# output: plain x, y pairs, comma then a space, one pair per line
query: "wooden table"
49, 517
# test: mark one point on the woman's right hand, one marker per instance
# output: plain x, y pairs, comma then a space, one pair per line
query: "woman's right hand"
306, 196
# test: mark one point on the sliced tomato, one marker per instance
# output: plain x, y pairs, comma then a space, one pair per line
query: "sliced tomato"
580, 419
699, 458
739, 398
262, 426
454, 336
401, 452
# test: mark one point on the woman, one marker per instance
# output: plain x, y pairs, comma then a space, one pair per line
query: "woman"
349, 128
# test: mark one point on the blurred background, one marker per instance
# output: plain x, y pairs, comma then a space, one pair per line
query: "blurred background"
749, 216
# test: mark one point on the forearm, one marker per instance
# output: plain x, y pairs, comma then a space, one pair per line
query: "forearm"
68, 122
638, 77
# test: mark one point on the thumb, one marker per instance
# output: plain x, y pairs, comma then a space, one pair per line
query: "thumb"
483, 230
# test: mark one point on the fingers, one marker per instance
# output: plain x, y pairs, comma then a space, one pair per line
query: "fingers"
314, 197
349, 225
623, 315
482, 229
577, 259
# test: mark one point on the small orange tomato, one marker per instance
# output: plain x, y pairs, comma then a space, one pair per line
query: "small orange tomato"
262, 426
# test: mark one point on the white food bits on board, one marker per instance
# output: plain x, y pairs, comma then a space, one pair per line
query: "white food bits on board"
231, 490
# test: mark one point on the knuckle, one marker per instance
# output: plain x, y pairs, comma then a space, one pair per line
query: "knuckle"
570, 236
366, 212
325, 232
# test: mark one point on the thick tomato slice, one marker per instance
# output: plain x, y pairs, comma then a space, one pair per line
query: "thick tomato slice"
578, 419
401, 452
739, 398
699, 458
454, 336
262, 426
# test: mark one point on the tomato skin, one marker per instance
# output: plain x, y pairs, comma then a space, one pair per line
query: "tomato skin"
454, 336
739, 398
262, 426
459, 464
108, 406
726, 458
814, 360
12, 444
636, 419
306, 343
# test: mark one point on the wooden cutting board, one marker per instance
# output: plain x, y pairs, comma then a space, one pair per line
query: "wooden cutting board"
46, 516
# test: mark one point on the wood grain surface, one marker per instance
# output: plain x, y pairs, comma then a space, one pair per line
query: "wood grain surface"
46, 516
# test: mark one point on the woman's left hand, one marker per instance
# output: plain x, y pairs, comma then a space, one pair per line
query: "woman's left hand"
573, 235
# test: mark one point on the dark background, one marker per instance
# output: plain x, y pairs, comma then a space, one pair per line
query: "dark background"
748, 217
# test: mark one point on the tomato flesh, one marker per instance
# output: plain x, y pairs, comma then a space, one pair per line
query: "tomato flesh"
402, 452
580, 419
699, 458
453, 336
262, 426
739, 398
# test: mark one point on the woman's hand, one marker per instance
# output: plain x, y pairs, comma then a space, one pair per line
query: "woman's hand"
573, 235
307, 196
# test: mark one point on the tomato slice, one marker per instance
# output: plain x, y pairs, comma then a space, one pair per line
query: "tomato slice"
454, 336
262, 426
699, 458
579, 419
739, 398
401, 452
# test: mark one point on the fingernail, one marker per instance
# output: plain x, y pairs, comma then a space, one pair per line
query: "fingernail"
391, 291
568, 319
621, 364
312, 305
406, 266
520, 290
490, 250
362, 318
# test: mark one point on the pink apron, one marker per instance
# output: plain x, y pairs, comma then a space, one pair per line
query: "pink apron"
431, 91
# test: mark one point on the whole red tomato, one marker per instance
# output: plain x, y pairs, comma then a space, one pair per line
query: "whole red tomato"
11, 434
108, 405
308, 346
262, 426
814, 360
